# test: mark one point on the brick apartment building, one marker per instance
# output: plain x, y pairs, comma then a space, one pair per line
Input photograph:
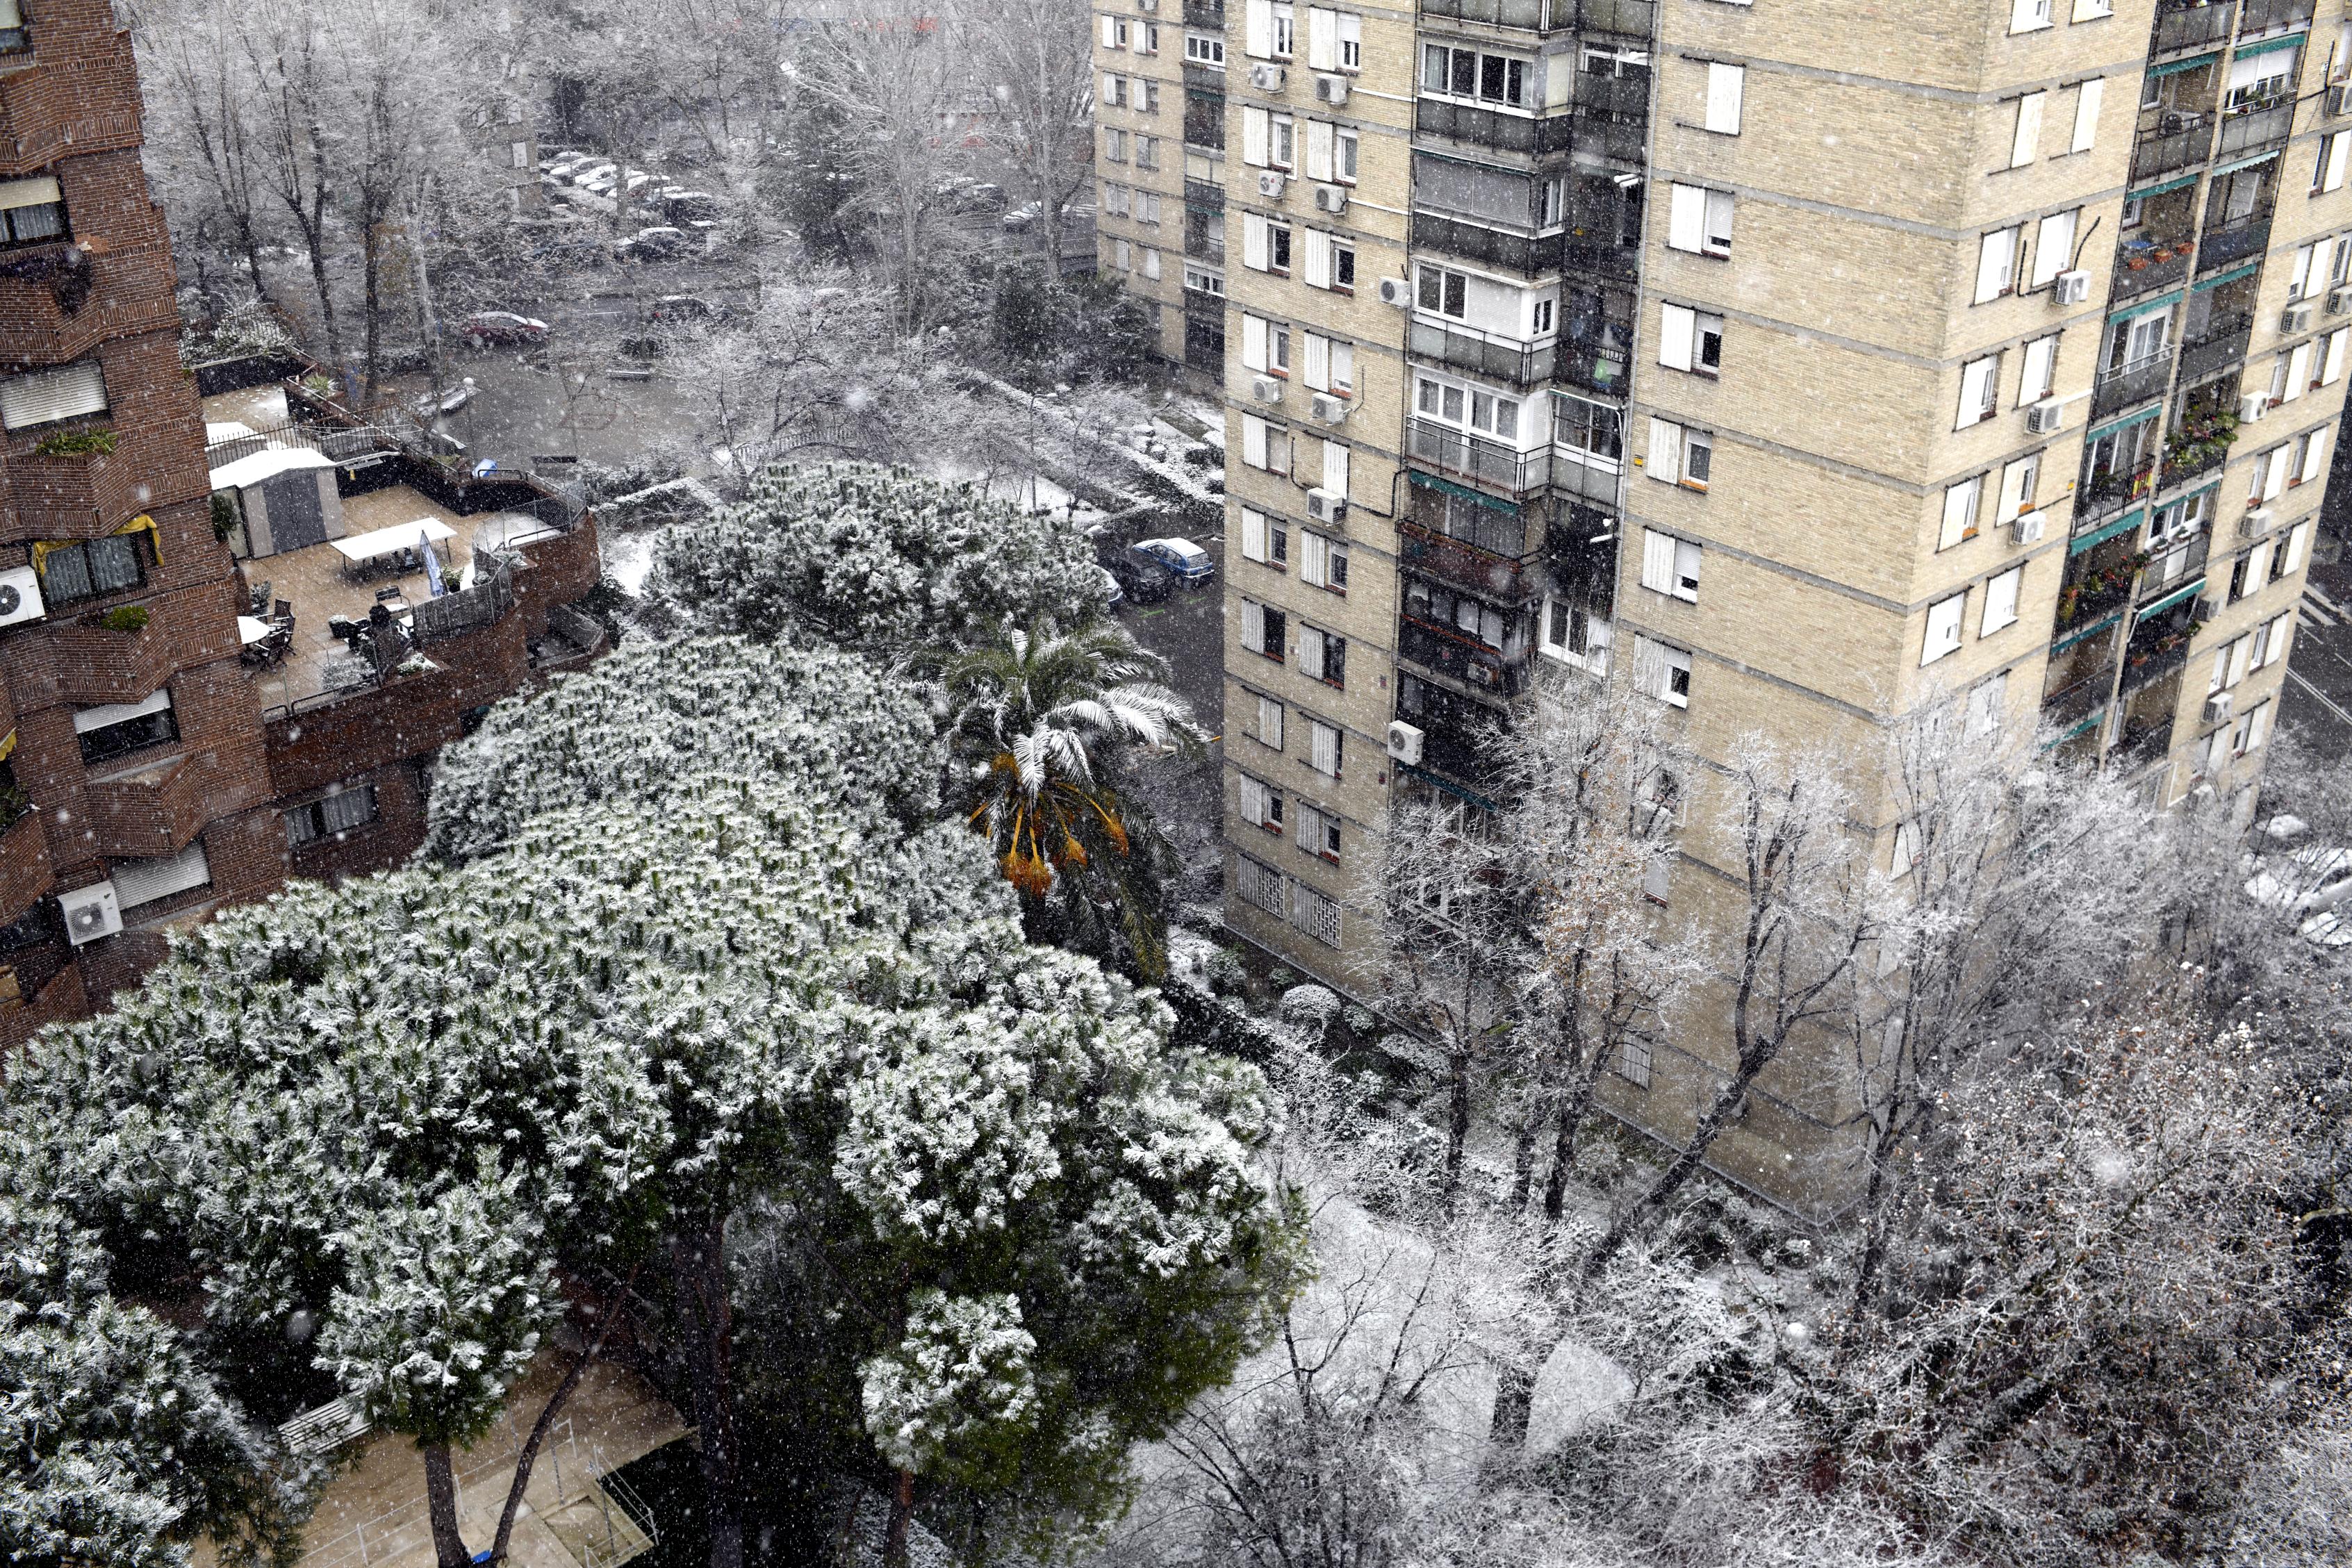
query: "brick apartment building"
165, 751
1797, 366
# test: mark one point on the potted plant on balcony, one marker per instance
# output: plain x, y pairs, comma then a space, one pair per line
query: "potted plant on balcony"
90, 443
125, 618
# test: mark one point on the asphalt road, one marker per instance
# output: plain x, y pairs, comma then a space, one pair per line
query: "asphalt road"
2318, 696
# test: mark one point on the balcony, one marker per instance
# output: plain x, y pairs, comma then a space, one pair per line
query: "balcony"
2105, 493
2147, 266
2256, 129
1478, 459
1591, 252
1628, 18
2222, 344
1585, 481
1483, 354
2232, 241
1523, 253
2120, 389
2080, 698
1462, 564
84, 496
2185, 142
1480, 668
1618, 97
2144, 740
2183, 30
2169, 572
2097, 595
2201, 444
1209, 14
153, 810
89, 103
57, 301
24, 873
1531, 16
90, 663
1489, 128
2262, 16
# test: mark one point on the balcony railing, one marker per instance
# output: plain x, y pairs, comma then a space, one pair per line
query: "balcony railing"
2143, 741
2184, 146
88, 103
2066, 709
2144, 668
1480, 353
1488, 128
2273, 16
2233, 240
2131, 384
1480, 668
1633, 18
1624, 98
1463, 564
2184, 27
1521, 254
2149, 266
1598, 363
1205, 195
2107, 493
2222, 344
1473, 457
2083, 603
2190, 565
154, 810
1584, 480
2255, 130
1534, 15
1210, 14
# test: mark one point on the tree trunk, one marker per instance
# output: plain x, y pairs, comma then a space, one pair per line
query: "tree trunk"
1569, 1122
1515, 1403
699, 1260
441, 1504
1457, 1119
902, 1513
1710, 1126
372, 303
316, 243
539, 1429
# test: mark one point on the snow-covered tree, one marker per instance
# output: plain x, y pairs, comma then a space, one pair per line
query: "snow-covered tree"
882, 560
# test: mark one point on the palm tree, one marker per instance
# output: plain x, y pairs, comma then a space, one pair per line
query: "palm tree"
1049, 725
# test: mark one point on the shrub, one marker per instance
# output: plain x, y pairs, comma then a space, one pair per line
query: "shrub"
75, 444
125, 618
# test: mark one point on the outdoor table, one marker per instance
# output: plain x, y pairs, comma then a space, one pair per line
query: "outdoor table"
360, 549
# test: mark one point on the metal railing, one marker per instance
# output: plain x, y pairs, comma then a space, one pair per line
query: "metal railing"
2253, 129
1586, 253
2232, 240
1533, 15
1480, 668
2190, 564
2151, 276
2078, 701
1523, 253
2273, 16
2185, 146
1489, 128
1204, 14
1477, 458
2103, 494
2184, 27
2131, 384
1625, 98
1480, 353
1633, 18
2222, 344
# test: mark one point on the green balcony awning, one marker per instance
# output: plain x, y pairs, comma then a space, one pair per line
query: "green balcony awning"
2171, 599
2126, 422
2147, 306
2175, 66
2221, 169
2159, 188
2126, 524
2219, 279
2272, 46
1462, 492
2104, 623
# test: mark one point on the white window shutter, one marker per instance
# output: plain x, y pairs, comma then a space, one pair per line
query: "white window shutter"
1255, 124
1254, 433
1343, 367
1687, 563
1322, 39
1665, 449
1677, 329
1314, 559
2259, 730
2295, 542
2027, 143
1724, 87
2258, 568
1335, 468
1254, 627
1317, 247
2274, 478
2025, 15
2040, 365
1257, 38
1959, 513
1686, 218
2315, 457
1320, 136
1269, 716
2338, 146
1253, 801
1657, 561
39, 397
2242, 653
1254, 240
2282, 633
2298, 372
2331, 369
1253, 535
2001, 601
1310, 645
1943, 628
2086, 113
1319, 361
1995, 252
1976, 376
1253, 342
1109, 33
2054, 246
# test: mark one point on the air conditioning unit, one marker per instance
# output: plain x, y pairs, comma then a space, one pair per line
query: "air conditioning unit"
91, 913
20, 596
1270, 183
1265, 389
1332, 199
2045, 416
1327, 507
1330, 410
1404, 740
2071, 288
2251, 406
1397, 291
2295, 318
2339, 300
2339, 99
2218, 706
2027, 526
2256, 521
1268, 78
1331, 90
1148, 7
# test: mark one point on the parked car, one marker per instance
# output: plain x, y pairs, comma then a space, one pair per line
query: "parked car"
1143, 583
681, 307
1179, 558
1112, 592
503, 327
689, 206
2303, 881
598, 177
656, 243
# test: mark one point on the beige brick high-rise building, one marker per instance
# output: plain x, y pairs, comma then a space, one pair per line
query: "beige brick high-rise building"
1797, 365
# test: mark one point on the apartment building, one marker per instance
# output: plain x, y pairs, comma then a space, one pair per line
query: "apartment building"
143, 784
1796, 370
1143, 106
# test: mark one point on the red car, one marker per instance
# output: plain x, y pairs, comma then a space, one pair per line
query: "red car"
503, 327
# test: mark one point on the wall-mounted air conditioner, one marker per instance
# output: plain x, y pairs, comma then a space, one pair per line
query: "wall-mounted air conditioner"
1404, 741
1327, 507
1330, 410
2251, 406
2029, 527
2069, 288
20, 596
1265, 389
2045, 416
2295, 318
1268, 78
1331, 90
2256, 522
91, 913
2218, 706
1397, 291
1332, 199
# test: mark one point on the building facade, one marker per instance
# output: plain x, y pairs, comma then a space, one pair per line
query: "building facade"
1797, 369
144, 780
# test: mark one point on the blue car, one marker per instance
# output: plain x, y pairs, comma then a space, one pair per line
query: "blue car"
1179, 558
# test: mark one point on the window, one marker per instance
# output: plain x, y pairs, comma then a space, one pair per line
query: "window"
1442, 290
1269, 723
1265, 446
1467, 73
120, 728
1326, 748
2337, 152
2138, 341
1261, 884
1345, 146
1669, 565
1265, 346
2331, 358
1680, 455
2293, 376
1266, 244
88, 568
1689, 340
2290, 557
1351, 42
2027, 143
1265, 630
144, 880
1699, 220
44, 397
1147, 152
520, 153
1435, 604
1113, 32
2054, 246
1662, 671
1146, 94
1147, 206
331, 816
2093, 10
1944, 627
1576, 635
1323, 657
1488, 413
1204, 49
1261, 805
1202, 280
2001, 601
2028, 16
1726, 86
1114, 91
2019, 482
1115, 200
1962, 504
1330, 365
1265, 540
1114, 145
2249, 733
1323, 562
1318, 832
1997, 264
1633, 1058
1988, 706
1317, 916
1335, 469
2040, 373
1980, 391
2267, 476
1122, 254
2270, 640
2086, 113
1151, 263
2310, 459
1594, 431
